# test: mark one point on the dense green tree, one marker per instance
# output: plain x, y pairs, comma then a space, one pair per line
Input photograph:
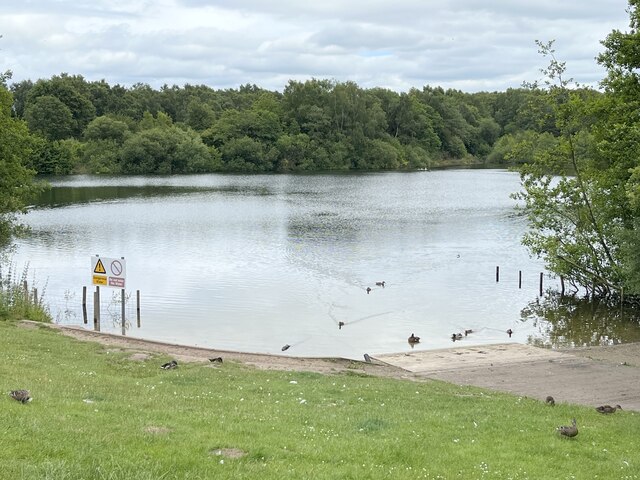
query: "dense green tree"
73, 92
107, 128
20, 93
166, 150
57, 157
245, 154
16, 181
50, 118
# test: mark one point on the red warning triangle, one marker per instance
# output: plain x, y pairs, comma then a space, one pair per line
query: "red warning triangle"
99, 268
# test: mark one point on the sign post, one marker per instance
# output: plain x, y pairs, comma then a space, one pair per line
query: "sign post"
108, 272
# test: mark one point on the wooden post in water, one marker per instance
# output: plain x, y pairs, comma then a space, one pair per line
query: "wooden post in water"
84, 304
561, 286
541, 274
519, 278
96, 309
124, 326
497, 274
138, 306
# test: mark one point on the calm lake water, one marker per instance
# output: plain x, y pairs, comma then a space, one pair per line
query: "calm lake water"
252, 263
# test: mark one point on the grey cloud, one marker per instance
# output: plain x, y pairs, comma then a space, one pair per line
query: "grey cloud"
467, 44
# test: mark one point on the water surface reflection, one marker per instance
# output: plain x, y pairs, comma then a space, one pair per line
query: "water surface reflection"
253, 262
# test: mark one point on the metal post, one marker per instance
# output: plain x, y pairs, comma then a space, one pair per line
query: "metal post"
138, 306
519, 278
541, 274
497, 274
84, 304
124, 326
96, 309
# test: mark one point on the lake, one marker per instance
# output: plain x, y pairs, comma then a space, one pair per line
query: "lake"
254, 262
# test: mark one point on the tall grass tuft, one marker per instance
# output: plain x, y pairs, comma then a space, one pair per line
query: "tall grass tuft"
17, 302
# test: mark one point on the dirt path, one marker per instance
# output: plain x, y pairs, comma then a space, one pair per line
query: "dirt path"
588, 376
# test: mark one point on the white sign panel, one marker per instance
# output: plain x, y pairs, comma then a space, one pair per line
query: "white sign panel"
108, 272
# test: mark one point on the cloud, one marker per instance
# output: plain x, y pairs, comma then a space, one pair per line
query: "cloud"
467, 44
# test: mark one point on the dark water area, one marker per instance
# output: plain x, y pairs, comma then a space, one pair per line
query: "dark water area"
253, 262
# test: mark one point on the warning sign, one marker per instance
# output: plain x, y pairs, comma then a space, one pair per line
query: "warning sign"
108, 272
99, 268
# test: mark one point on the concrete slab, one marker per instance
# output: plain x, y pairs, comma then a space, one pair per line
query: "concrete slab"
528, 371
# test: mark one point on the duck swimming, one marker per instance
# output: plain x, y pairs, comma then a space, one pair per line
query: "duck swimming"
380, 284
413, 339
456, 336
509, 332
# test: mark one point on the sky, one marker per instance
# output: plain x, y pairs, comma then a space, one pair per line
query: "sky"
469, 45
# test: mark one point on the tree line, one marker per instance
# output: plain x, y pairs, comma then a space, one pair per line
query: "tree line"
81, 126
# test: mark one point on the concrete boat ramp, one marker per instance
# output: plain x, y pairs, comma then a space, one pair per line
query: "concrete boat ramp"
529, 371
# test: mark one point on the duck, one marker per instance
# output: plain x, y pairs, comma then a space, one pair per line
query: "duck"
217, 359
286, 347
467, 332
380, 284
509, 332
22, 396
368, 290
169, 365
608, 409
413, 339
550, 401
456, 336
340, 325
571, 431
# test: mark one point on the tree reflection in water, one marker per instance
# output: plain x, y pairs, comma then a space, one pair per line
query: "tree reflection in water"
565, 321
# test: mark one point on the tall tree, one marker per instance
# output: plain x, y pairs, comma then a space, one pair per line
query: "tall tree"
568, 194
16, 181
619, 139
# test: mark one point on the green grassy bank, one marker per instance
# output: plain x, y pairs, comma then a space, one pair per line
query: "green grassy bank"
99, 414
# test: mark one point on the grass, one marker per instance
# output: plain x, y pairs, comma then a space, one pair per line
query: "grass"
97, 414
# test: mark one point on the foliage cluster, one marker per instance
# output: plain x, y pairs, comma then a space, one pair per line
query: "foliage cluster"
97, 413
84, 126
17, 302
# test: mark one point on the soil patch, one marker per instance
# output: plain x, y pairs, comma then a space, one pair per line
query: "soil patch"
228, 452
